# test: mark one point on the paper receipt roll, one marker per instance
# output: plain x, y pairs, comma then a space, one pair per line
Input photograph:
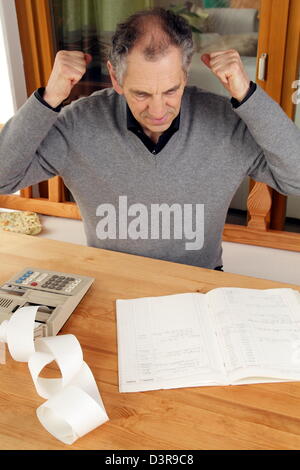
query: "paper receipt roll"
74, 406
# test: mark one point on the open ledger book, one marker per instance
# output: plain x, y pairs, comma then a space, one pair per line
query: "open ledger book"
227, 336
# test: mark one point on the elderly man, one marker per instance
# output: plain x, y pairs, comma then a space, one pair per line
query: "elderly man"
152, 163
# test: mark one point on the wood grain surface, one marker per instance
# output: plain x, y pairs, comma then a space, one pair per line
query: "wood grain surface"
264, 416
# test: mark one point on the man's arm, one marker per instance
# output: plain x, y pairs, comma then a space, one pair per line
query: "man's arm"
34, 143
278, 163
32, 146
265, 134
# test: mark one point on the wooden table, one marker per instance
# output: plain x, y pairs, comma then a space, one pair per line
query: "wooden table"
264, 416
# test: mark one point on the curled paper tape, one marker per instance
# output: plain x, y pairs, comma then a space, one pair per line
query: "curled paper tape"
66, 351
74, 406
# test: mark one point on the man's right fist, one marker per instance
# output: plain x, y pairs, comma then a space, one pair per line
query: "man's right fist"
69, 67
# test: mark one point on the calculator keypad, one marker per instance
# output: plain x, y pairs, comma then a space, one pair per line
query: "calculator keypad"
63, 284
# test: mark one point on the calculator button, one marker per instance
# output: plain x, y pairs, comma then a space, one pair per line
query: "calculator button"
34, 284
41, 277
35, 275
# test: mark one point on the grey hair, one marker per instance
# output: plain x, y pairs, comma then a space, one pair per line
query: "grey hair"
175, 31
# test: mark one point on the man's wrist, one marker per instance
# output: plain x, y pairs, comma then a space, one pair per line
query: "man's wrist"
51, 99
40, 95
235, 103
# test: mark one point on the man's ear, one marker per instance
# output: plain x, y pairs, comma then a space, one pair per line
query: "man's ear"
113, 78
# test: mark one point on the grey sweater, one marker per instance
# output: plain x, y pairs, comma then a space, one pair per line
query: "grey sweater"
171, 206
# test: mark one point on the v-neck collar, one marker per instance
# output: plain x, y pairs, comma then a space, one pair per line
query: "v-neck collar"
134, 126
136, 147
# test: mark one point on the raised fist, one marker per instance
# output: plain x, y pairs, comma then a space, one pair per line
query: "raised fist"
68, 69
228, 67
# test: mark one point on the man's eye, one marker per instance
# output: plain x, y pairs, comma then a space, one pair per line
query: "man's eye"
171, 92
141, 95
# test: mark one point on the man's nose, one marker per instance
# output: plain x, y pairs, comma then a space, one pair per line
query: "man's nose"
157, 108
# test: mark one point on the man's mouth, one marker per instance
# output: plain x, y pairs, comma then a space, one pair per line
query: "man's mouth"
158, 121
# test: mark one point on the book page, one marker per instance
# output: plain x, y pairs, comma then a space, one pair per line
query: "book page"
166, 342
258, 332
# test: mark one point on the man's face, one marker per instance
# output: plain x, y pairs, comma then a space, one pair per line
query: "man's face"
153, 89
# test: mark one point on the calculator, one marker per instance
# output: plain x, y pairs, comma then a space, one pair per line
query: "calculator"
56, 293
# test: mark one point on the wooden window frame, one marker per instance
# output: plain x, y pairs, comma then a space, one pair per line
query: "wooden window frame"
35, 29
266, 207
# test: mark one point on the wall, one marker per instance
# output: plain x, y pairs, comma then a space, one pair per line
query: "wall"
6, 100
11, 50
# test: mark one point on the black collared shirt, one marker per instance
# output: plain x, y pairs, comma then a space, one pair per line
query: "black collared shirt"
134, 126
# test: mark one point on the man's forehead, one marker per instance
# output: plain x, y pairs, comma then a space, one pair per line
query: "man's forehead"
143, 88
153, 85
164, 73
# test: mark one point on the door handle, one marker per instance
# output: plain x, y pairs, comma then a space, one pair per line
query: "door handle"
262, 67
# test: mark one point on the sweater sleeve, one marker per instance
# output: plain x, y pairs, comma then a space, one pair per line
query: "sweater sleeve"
277, 162
34, 146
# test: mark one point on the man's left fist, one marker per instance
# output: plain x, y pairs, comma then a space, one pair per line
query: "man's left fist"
229, 69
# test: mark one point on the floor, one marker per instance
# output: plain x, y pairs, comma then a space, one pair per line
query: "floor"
268, 263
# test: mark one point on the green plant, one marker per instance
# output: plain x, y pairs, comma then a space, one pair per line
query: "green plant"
194, 15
